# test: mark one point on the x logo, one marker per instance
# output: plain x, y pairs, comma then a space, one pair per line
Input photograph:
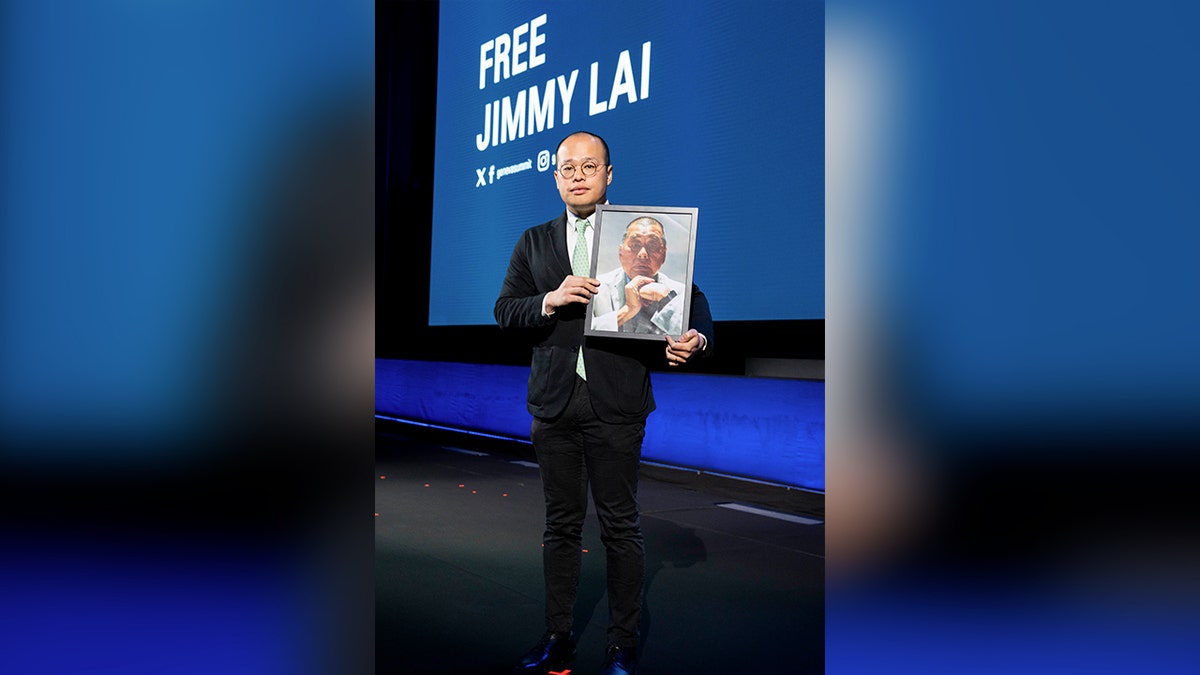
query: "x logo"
481, 181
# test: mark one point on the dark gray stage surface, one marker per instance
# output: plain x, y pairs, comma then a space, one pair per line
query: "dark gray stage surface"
729, 590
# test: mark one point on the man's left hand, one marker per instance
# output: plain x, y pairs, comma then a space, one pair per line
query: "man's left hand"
681, 350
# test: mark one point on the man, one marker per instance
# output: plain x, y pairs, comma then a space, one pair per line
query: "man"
636, 297
589, 404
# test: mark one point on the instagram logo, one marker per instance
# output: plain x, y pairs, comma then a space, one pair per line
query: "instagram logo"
543, 160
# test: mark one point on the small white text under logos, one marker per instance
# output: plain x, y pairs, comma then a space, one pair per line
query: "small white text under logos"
489, 174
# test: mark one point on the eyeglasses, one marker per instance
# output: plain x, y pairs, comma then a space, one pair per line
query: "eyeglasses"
653, 245
588, 169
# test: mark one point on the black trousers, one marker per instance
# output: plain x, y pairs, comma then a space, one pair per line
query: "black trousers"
575, 451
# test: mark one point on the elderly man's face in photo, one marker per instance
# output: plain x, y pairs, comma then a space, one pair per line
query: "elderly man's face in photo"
644, 248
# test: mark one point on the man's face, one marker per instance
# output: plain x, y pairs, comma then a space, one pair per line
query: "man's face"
582, 193
643, 250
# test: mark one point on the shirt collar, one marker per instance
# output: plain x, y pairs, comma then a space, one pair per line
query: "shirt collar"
574, 216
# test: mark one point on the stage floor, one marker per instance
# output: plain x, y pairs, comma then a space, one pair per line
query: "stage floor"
734, 571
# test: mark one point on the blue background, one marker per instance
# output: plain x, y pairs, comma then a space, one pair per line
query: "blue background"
733, 125
140, 144
1033, 283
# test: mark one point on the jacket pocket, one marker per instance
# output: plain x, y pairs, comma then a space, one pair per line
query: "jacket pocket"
539, 374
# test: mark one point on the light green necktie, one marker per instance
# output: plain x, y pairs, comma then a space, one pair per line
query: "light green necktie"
580, 267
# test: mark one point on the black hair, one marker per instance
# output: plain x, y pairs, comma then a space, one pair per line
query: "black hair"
641, 218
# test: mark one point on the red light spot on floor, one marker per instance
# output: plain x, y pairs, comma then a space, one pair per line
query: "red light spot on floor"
461, 485
474, 492
504, 495
585, 550
376, 514
427, 485
382, 477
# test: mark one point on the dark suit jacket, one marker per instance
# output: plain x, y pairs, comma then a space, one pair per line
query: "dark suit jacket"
618, 377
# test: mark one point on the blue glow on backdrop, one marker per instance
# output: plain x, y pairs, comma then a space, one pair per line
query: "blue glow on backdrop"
757, 428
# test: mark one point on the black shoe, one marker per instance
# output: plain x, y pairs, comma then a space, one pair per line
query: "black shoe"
618, 661
553, 652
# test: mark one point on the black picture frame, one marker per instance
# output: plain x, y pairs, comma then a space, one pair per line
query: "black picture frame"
668, 305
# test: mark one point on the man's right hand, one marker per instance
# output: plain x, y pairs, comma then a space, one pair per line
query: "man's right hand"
640, 292
573, 289
634, 299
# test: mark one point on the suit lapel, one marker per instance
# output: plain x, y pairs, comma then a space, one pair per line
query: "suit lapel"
558, 245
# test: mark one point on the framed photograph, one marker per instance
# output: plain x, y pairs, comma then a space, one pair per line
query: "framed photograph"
642, 256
